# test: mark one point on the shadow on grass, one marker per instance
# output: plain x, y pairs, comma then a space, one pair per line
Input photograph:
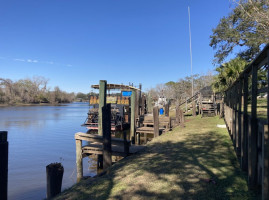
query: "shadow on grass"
201, 166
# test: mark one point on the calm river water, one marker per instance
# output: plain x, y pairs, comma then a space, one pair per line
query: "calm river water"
38, 136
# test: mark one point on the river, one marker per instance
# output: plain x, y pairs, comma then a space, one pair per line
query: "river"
38, 136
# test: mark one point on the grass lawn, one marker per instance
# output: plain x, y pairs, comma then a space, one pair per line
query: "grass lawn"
195, 162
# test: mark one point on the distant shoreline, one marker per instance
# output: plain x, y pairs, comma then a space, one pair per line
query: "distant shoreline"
31, 104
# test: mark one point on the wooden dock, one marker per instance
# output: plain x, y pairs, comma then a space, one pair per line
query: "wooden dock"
151, 126
97, 145
119, 147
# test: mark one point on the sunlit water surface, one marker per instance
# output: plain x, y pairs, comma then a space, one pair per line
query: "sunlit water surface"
38, 136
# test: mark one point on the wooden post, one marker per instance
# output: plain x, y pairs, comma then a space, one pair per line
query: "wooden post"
107, 152
252, 175
140, 100
149, 104
100, 162
137, 104
167, 109
244, 136
54, 173
239, 100
138, 138
126, 145
102, 103
265, 184
132, 124
193, 108
143, 105
222, 108
186, 105
182, 120
79, 160
3, 165
156, 121
177, 116
233, 117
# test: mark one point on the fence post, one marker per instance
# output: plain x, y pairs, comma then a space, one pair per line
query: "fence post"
54, 173
265, 184
182, 119
143, 105
102, 103
106, 120
244, 136
79, 160
239, 113
252, 175
132, 129
166, 109
193, 108
156, 121
177, 116
3, 164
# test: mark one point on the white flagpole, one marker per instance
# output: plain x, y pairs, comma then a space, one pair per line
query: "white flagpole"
190, 48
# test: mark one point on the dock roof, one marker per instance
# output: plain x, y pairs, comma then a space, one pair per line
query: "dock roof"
117, 87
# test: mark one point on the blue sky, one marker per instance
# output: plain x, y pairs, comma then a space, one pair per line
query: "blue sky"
76, 43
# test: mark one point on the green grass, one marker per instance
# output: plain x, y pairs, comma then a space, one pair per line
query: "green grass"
176, 165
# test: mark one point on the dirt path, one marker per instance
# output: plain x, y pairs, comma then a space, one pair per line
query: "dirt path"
195, 162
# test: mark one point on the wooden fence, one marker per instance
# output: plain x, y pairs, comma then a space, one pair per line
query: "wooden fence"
247, 121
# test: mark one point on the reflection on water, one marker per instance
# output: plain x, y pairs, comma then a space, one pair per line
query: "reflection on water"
38, 136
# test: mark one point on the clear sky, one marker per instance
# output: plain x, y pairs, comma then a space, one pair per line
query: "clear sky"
76, 43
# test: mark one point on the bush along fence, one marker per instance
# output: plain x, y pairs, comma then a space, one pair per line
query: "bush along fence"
246, 117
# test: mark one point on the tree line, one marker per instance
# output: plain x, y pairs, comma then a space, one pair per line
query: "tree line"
180, 90
32, 91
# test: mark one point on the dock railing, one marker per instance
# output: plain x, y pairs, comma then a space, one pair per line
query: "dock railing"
247, 121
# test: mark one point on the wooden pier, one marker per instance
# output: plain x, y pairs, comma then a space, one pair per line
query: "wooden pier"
119, 147
103, 145
151, 126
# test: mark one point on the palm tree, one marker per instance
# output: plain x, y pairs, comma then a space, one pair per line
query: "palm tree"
228, 73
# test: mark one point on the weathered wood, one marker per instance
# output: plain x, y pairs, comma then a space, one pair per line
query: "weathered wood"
239, 117
54, 173
79, 160
3, 165
252, 175
182, 118
233, 117
265, 185
100, 159
107, 154
97, 149
222, 108
99, 139
166, 109
102, 103
193, 108
143, 105
177, 115
244, 136
132, 124
149, 104
156, 121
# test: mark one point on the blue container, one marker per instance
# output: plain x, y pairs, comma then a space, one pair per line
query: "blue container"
161, 111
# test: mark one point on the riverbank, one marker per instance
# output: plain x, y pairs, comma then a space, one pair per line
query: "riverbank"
195, 162
32, 104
